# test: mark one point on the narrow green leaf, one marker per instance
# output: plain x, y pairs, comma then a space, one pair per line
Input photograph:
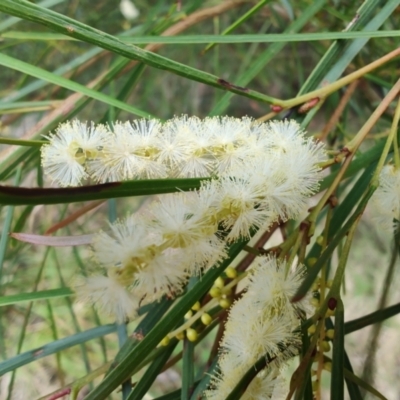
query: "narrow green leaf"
187, 369
337, 376
370, 319
54, 347
11, 21
34, 296
363, 160
243, 18
20, 142
6, 227
73, 28
10, 195
258, 65
364, 14
313, 272
241, 386
155, 312
349, 375
40, 73
202, 385
355, 47
220, 39
152, 372
352, 388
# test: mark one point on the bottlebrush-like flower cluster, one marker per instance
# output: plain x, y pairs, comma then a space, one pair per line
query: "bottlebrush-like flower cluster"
387, 198
260, 173
263, 322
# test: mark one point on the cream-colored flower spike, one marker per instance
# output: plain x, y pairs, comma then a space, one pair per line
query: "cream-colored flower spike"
387, 198
260, 324
69, 149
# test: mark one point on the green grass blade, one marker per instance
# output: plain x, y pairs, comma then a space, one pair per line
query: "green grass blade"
73, 28
337, 376
34, 296
54, 347
40, 73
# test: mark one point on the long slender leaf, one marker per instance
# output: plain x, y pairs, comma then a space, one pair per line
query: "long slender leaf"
54, 347
151, 373
337, 380
23, 196
70, 27
34, 296
370, 319
40, 73
224, 39
257, 65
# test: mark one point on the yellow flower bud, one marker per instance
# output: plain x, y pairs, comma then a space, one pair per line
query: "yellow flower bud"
330, 333
188, 314
329, 313
196, 306
328, 366
225, 303
180, 336
315, 385
320, 240
215, 292
231, 272
311, 261
315, 302
219, 283
206, 319
165, 341
311, 330
191, 334
325, 346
